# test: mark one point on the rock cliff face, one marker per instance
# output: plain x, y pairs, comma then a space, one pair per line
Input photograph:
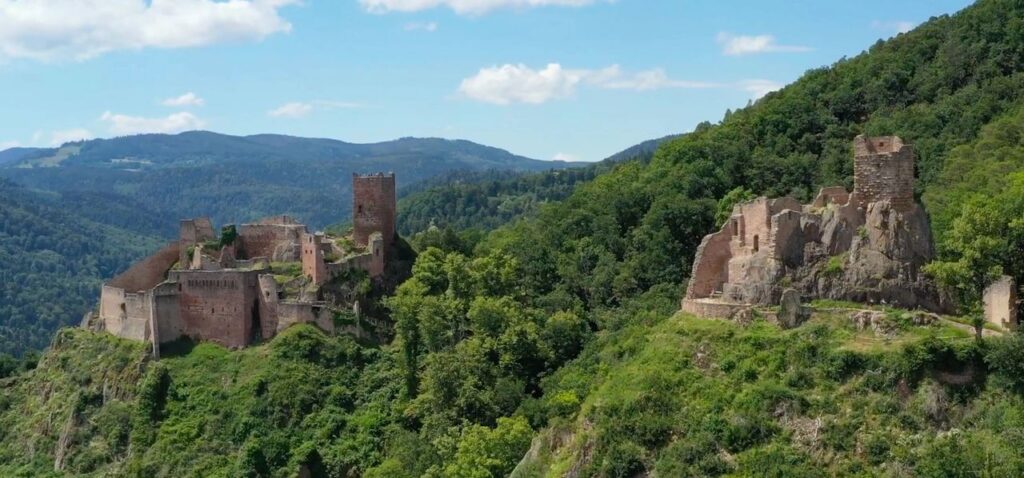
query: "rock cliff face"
876, 257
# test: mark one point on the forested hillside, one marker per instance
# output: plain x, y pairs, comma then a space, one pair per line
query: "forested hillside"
235, 179
52, 262
552, 347
486, 200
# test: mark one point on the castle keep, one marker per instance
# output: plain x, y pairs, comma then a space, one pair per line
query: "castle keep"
250, 282
865, 246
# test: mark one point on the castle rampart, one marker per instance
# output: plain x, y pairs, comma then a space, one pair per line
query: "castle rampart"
225, 291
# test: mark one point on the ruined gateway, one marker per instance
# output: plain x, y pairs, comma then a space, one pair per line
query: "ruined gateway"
865, 246
246, 285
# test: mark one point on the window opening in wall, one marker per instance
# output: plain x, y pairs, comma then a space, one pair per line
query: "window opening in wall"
756, 243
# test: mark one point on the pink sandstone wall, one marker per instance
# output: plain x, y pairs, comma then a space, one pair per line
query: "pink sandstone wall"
149, 272
374, 206
270, 241
711, 265
220, 306
313, 266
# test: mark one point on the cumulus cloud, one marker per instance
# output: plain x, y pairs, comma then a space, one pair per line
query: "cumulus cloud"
187, 99
9, 144
175, 123
50, 30
421, 26
896, 26
565, 157
736, 45
466, 7
60, 137
507, 84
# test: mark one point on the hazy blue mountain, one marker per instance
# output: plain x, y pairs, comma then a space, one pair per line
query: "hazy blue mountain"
232, 178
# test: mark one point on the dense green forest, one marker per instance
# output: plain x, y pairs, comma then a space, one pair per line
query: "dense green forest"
235, 179
53, 263
552, 346
485, 200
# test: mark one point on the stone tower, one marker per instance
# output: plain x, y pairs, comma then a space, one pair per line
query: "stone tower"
883, 168
313, 266
373, 207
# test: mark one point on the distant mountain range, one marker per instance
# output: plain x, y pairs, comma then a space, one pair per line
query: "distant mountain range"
233, 178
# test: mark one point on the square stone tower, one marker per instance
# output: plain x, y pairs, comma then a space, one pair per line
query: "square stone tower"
374, 204
883, 168
313, 266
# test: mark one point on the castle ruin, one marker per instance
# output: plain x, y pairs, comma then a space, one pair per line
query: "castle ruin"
249, 283
865, 246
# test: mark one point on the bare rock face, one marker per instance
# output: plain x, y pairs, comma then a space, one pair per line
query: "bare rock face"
883, 263
792, 313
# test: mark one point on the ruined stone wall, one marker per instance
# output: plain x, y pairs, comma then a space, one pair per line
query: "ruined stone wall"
277, 242
220, 306
883, 168
374, 205
269, 315
313, 266
278, 220
166, 312
191, 232
377, 250
291, 313
149, 272
1000, 303
831, 195
711, 265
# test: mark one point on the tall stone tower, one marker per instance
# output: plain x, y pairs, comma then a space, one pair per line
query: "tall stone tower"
883, 168
373, 207
313, 266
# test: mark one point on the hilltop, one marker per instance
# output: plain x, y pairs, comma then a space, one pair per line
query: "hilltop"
235, 178
554, 345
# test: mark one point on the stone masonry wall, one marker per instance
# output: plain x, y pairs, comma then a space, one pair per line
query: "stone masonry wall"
277, 242
149, 272
313, 266
374, 205
220, 306
883, 168
1000, 301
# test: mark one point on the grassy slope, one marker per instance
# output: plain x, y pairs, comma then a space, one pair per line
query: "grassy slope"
693, 397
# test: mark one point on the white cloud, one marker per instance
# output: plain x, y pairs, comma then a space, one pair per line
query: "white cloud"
58, 138
300, 109
759, 88
187, 99
736, 45
466, 7
174, 123
565, 157
292, 110
8, 145
507, 84
421, 26
896, 26
50, 30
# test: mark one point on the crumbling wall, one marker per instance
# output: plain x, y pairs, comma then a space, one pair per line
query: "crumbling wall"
711, 265
269, 301
883, 169
378, 254
149, 272
1000, 303
374, 205
831, 195
192, 232
291, 313
277, 242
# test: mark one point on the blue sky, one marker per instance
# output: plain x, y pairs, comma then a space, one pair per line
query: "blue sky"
573, 79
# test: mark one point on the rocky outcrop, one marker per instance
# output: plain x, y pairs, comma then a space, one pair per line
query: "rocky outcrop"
887, 251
